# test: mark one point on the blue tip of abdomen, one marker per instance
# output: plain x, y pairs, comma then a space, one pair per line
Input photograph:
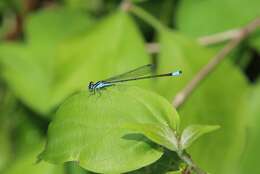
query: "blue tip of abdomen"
177, 73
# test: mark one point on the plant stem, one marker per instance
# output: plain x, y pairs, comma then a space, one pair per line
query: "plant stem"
219, 37
187, 159
153, 48
182, 96
139, 12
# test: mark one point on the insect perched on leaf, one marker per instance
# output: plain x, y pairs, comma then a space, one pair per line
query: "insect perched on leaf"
135, 74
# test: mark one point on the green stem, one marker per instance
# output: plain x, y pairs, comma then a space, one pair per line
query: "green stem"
166, 15
151, 20
187, 159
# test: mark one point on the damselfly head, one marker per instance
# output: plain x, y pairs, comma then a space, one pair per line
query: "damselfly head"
91, 85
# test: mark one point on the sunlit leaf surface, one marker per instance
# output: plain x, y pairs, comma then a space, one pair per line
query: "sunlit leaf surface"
91, 129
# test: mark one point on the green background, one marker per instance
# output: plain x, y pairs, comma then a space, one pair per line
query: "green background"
51, 49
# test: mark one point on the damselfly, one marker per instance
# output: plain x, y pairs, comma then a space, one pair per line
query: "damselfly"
136, 74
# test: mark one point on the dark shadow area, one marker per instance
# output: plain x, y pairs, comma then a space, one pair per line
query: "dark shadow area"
140, 137
253, 68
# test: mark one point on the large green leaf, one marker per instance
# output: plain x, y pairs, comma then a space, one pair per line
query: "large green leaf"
90, 129
211, 16
60, 57
217, 101
250, 162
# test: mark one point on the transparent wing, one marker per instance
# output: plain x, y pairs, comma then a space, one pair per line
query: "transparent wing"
138, 72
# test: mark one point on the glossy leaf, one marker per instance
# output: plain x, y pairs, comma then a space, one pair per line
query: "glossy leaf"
90, 129
218, 100
193, 132
210, 16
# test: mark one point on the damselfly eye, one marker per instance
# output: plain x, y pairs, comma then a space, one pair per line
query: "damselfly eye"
90, 85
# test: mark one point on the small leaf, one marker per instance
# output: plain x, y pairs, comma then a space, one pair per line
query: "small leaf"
89, 129
160, 134
193, 132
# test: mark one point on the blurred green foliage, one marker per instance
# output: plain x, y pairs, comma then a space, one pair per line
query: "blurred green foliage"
224, 89
30, 67
210, 16
250, 156
10, 4
64, 44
